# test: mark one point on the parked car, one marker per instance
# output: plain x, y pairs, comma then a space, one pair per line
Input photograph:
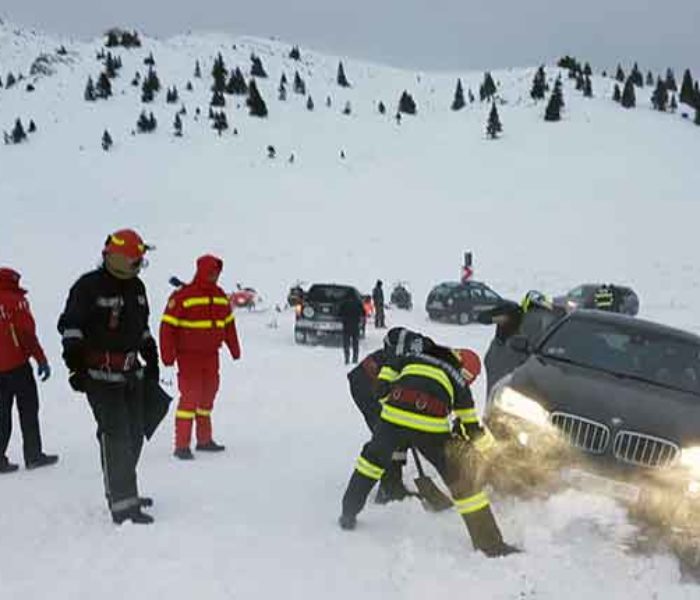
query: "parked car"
317, 315
622, 394
582, 297
401, 297
460, 302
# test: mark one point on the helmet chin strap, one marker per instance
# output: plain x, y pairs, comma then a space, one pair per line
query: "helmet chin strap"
117, 266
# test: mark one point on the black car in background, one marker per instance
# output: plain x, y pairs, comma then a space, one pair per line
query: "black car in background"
460, 302
622, 394
318, 314
582, 297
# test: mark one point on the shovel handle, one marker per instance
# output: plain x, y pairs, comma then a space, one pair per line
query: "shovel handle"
419, 464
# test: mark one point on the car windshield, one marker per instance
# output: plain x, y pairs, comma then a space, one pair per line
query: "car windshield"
327, 293
628, 351
444, 290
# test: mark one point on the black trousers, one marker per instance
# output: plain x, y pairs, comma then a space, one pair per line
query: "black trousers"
118, 411
469, 499
379, 317
20, 384
351, 338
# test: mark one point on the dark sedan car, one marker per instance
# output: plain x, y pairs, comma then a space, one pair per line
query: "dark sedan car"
621, 392
318, 313
460, 302
626, 300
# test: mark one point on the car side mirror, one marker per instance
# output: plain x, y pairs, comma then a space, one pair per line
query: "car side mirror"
520, 344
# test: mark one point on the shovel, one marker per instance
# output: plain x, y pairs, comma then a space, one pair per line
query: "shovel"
433, 499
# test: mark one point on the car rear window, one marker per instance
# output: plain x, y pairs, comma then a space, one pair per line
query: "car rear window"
662, 359
327, 293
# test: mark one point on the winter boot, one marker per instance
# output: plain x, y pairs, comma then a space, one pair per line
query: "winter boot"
210, 446
485, 534
347, 522
43, 460
6, 466
183, 454
391, 486
135, 515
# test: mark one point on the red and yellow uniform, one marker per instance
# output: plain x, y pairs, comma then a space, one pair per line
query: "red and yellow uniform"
197, 321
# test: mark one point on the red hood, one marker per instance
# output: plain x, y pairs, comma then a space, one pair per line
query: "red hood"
207, 266
9, 280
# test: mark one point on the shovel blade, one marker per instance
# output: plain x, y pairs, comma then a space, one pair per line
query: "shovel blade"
434, 500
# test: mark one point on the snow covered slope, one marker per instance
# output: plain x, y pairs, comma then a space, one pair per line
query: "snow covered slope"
606, 194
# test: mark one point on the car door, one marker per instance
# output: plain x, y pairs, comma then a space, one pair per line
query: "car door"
482, 298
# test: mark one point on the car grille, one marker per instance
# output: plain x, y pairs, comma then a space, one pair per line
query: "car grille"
644, 450
582, 433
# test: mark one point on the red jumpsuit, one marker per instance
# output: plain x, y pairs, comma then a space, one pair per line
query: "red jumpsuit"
196, 321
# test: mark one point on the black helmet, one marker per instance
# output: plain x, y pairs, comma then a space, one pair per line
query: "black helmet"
401, 341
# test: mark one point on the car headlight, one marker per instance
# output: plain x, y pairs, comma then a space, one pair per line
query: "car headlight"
308, 312
690, 458
519, 405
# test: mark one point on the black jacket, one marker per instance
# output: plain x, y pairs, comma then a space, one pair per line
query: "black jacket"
378, 296
364, 377
351, 313
106, 314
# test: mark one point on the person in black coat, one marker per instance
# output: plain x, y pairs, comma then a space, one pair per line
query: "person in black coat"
378, 301
352, 312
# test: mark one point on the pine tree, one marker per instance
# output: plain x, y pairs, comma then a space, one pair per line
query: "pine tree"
237, 84
587, 71
556, 103
256, 104
636, 76
539, 84
282, 92
257, 69
580, 82
381, 108
177, 125
152, 79
671, 81
219, 73
294, 54
220, 122
407, 104
136, 81
152, 123
341, 79
328, 102
89, 94
149, 60
10, 81
18, 134
493, 127
348, 108
620, 76
299, 85
617, 95
0, 82
197, 70
218, 99
458, 102
659, 99
650, 78
189, 87
103, 89
697, 116
142, 125
106, 141
283, 79
172, 97
687, 94
110, 66
488, 87
32, 126
147, 93
588, 88
309, 103
674, 104
629, 99
112, 39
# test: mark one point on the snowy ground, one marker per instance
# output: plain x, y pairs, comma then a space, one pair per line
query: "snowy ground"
604, 195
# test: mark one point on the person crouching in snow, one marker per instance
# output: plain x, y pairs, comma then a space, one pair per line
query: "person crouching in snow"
197, 320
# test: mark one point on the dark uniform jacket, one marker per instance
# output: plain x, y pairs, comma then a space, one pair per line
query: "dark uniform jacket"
351, 312
105, 325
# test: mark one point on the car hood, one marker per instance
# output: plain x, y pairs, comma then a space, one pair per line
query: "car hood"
617, 402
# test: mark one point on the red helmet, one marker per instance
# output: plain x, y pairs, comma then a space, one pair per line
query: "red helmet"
127, 243
470, 361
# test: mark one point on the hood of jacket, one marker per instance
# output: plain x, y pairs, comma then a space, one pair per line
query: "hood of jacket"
208, 270
9, 281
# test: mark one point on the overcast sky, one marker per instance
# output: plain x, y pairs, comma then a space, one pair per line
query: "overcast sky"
418, 34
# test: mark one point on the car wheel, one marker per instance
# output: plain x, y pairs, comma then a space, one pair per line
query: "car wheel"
300, 337
463, 318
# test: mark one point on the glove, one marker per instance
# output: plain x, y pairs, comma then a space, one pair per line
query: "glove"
44, 371
77, 380
485, 442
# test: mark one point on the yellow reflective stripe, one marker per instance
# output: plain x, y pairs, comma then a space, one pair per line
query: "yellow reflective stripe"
201, 412
196, 324
185, 414
230, 319
118, 241
412, 420
430, 372
467, 415
199, 301
472, 504
221, 300
368, 469
171, 320
387, 374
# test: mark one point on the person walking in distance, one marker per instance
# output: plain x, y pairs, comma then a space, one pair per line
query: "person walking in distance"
378, 301
19, 343
104, 330
197, 321
352, 312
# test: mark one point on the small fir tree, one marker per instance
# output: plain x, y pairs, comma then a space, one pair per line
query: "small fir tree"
341, 78
488, 87
10, 81
407, 104
671, 81
295, 54
539, 85
218, 99
617, 95
147, 94
381, 108
556, 102
219, 74
177, 125
189, 87
299, 85
674, 104
650, 78
629, 98
18, 133
197, 70
636, 76
587, 71
257, 69
309, 103
103, 89
471, 96
493, 126
588, 88
620, 76
256, 104
458, 103
220, 122
107, 142
237, 84
282, 92
149, 60
32, 126
659, 99
348, 108
687, 93
89, 94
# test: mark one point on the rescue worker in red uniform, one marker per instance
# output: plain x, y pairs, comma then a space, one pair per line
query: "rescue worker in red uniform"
19, 343
422, 390
197, 321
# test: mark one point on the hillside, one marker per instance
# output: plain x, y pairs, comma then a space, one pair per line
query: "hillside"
605, 194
